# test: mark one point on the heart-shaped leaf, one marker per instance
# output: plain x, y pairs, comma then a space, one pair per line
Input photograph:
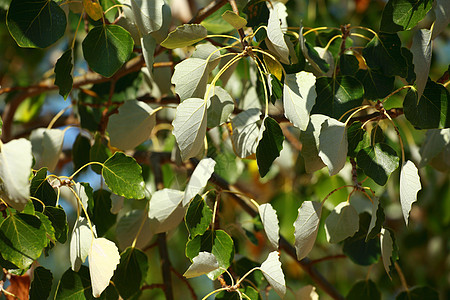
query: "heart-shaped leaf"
203, 263
306, 227
103, 260
271, 269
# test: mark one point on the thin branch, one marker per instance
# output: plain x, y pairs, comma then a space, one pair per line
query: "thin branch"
331, 257
182, 278
207, 11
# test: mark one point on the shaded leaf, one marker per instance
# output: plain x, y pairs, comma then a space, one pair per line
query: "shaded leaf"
269, 220
355, 135
333, 145
245, 132
365, 289
271, 269
74, 285
421, 49
257, 13
341, 223
198, 217
219, 108
41, 284
102, 216
131, 272
166, 209
435, 142
148, 15
185, 35
376, 84
148, 44
308, 292
203, 263
376, 220
387, 247
80, 151
128, 227
418, 293
42, 190
409, 187
306, 227
46, 146
348, 64
57, 217
269, 146
234, 19
63, 73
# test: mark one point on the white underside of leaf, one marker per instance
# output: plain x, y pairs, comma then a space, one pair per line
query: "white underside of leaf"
421, 49
190, 78
148, 15
269, 220
203, 263
306, 227
116, 203
310, 143
409, 186
80, 243
47, 145
15, 169
128, 226
333, 145
276, 37
271, 269
386, 249
189, 127
299, 96
103, 260
199, 179
341, 223
148, 44
245, 132
442, 11
373, 220
307, 292
165, 208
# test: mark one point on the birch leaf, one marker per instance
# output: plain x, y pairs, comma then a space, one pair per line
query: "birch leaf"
220, 106
80, 243
310, 143
203, 263
276, 37
148, 15
442, 11
190, 78
299, 96
245, 132
306, 227
132, 125
46, 145
271, 269
409, 187
270, 222
199, 179
103, 260
148, 44
234, 19
185, 35
165, 208
421, 49
333, 145
341, 223
189, 126
15, 169
387, 247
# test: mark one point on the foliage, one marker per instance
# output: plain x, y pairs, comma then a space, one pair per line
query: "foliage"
208, 141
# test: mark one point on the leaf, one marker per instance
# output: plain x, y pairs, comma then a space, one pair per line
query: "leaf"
365, 289
99, 152
199, 179
148, 44
219, 107
348, 64
106, 48
399, 15
35, 23
442, 12
376, 84
217, 242
80, 243
383, 53
376, 220
333, 145
84, 192
22, 238
299, 96
341, 223
378, 162
93, 9
165, 208
337, 95
355, 138
203, 263
306, 227
131, 272
128, 227
189, 126
431, 111
80, 151
15, 168
123, 176
46, 146
421, 49
103, 260
41, 284
418, 293
190, 78
435, 142
270, 222
63, 73
185, 35
310, 143
57, 217
198, 217
257, 13
74, 285
132, 125
148, 15
271, 269
308, 292
269, 146
245, 132
387, 247
102, 216
41, 189
234, 19
275, 36
409, 187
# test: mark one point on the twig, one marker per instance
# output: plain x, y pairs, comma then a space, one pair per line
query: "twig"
207, 11
331, 257
181, 277
153, 286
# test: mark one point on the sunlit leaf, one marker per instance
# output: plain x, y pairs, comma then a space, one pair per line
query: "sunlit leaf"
148, 44
310, 143
245, 132
387, 246
306, 227
185, 35
46, 146
219, 108
269, 220
308, 292
93, 9
409, 187
190, 78
399, 15
275, 36
203, 263
271, 269
165, 208
234, 19
333, 145
442, 11
341, 223
376, 220
199, 179
103, 260
80, 243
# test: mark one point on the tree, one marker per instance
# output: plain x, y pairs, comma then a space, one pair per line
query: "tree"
201, 145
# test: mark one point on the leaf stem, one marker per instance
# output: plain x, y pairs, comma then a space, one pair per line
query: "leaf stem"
223, 36
59, 114
144, 219
335, 190
272, 57
398, 134
85, 211
88, 164
38, 200
215, 291
318, 29
331, 40
364, 28
396, 91
402, 277
357, 110
360, 36
229, 275
246, 274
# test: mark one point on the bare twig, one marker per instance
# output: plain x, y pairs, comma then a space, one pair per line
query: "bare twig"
182, 278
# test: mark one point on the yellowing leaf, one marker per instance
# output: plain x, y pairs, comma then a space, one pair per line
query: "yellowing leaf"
234, 19
103, 260
93, 9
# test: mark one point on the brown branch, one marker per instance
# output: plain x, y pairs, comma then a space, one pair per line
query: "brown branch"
207, 11
182, 278
153, 286
331, 257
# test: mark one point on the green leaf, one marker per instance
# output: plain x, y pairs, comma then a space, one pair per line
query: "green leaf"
277, 89
80, 151
41, 189
22, 238
148, 44
387, 248
333, 145
75, 285
42, 284
341, 223
245, 132
234, 19
355, 135
337, 95
299, 96
418, 293
47, 146
257, 13
399, 15
383, 53
431, 111
219, 108
198, 217
407, 54
123, 176
29, 109
203, 263
189, 127
99, 152
378, 162
48, 227
365, 289
15, 168
102, 216
269, 146
185, 35
57, 217
348, 64
306, 227
63, 73
359, 250
148, 15
132, 125
376, 85
36, 23
106, 48
131, 272
377, 219
216, 242
409, 187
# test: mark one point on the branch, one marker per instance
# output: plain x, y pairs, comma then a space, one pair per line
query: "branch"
208, 10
